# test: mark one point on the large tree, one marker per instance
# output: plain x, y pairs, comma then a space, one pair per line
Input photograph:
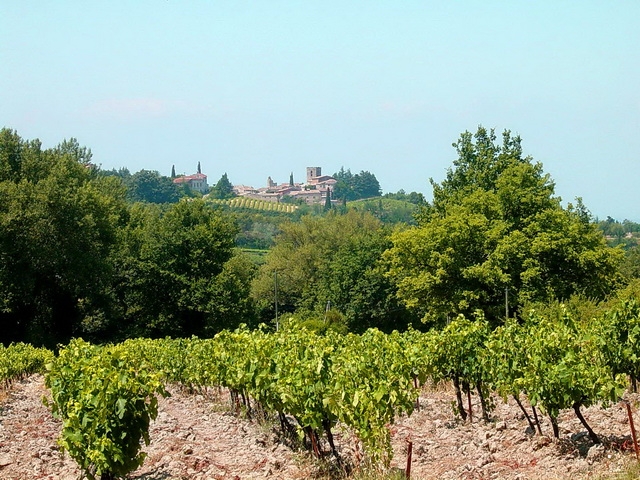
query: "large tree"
223, 189
332, 261
58, 226
495, 228
149, 186
353, 187
172, 271
76, 259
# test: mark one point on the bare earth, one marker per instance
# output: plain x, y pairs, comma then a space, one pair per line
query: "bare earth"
195, 437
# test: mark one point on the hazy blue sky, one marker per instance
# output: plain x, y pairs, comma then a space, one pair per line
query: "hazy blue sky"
258, 89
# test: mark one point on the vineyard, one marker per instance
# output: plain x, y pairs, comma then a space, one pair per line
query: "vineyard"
245, 203
106, 396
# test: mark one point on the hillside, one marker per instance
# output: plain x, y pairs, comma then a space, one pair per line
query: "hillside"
196, 437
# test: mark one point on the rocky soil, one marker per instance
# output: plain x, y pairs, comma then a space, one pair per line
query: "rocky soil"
195, 437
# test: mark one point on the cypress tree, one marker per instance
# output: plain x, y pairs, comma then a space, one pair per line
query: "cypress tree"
327, 200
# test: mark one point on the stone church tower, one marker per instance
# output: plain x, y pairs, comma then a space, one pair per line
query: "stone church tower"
313, 172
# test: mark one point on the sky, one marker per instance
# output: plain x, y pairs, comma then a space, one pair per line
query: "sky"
267, 88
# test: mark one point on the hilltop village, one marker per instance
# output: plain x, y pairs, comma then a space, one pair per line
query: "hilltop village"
313, 191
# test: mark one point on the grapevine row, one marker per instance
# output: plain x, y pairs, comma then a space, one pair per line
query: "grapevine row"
362, 381
256, 204
19, 360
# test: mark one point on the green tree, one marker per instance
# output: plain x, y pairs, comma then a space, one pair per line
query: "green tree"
343, 189
327, 201
170, 268
122, 173
366, 185
59, 224
229, 299
414, 197
331, 260
74, 150
388, 210
223, 189
353, 187
149, 186
494, 227
631, 264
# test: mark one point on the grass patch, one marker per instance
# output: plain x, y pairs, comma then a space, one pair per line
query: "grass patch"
257, 256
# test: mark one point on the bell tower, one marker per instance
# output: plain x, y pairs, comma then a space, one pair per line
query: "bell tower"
313, 172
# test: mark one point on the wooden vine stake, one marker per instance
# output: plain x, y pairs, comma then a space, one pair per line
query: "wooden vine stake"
633, 430
407, 472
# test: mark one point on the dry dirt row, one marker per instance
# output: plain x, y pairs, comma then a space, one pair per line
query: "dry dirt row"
195, 437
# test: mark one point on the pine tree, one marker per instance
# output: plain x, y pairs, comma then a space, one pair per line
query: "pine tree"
223, 189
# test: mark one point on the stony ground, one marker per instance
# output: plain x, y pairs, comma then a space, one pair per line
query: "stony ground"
195, 437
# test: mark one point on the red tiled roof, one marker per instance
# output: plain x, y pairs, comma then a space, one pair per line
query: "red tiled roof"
188, 178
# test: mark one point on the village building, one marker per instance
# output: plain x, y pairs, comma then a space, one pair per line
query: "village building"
244, 190
196, 182
310, 196
314, 191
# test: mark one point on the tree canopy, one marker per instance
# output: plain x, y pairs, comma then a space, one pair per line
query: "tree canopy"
496, 229
148, 186
332, 261
169, 268
223, 189
77, 259
353, 187
58, 226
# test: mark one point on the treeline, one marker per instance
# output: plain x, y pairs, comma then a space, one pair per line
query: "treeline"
625, 233
109, 256
494, 239
79, 258
351, 186
76, 258
149, 186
